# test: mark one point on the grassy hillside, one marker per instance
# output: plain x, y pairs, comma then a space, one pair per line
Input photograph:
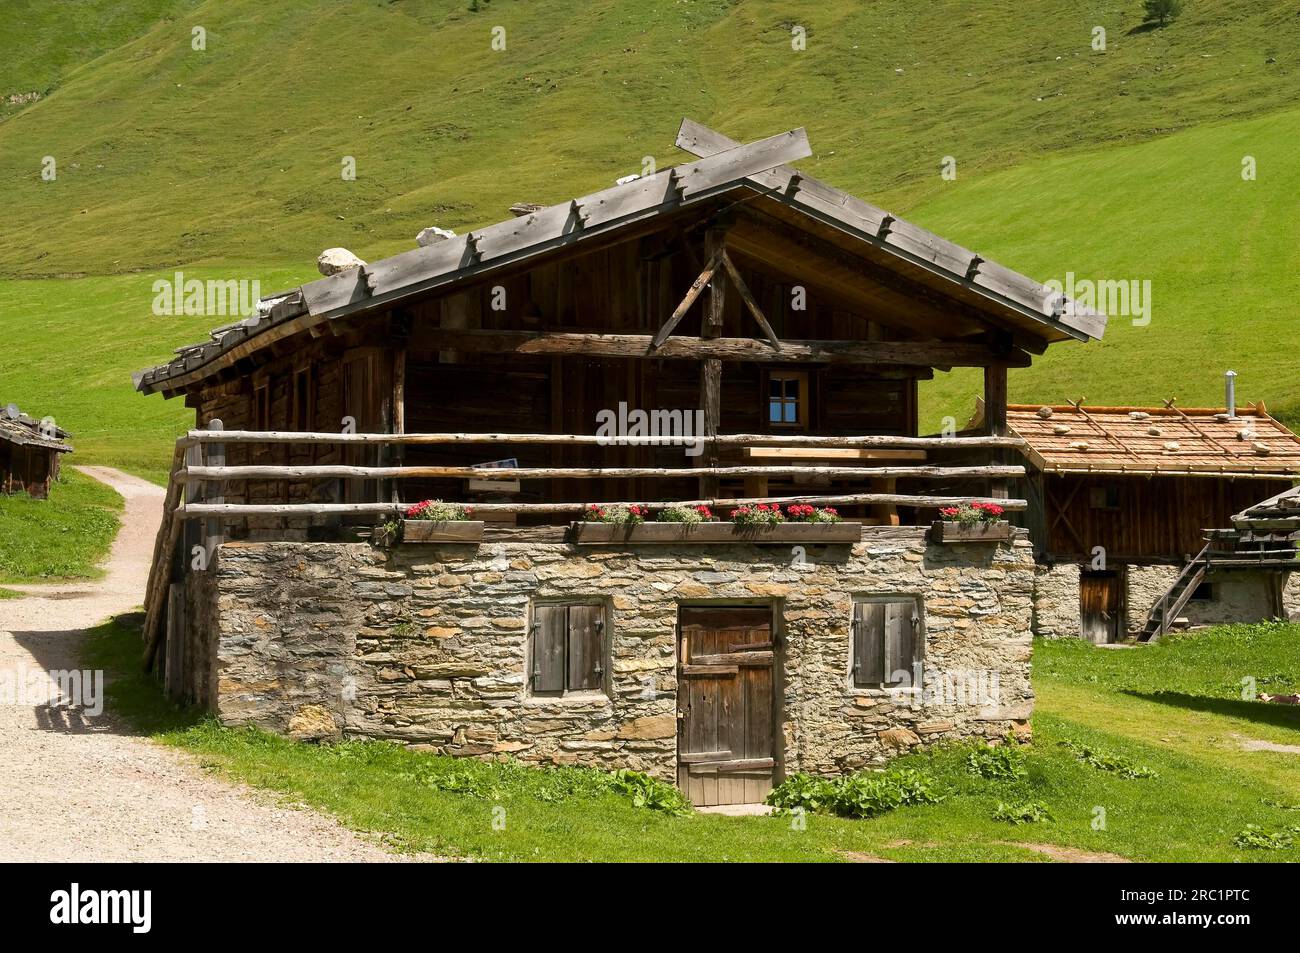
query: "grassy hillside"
1222, 256
44, 41
233, 154
226, 162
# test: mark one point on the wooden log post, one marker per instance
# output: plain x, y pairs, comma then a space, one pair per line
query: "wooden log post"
995, 420
398, 451
214, 493
711, 368
160, 568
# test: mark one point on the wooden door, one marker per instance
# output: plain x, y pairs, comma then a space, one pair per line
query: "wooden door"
1101, 606
726, 704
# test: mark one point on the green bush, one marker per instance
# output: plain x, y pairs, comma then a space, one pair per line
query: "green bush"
646, 791
1106, 761
1003, 763
803, 790
1254, 837
1162, 11
865, 794
504, 780
1026, 812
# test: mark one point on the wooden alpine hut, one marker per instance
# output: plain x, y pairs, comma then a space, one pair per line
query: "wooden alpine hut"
729, 334
30, 451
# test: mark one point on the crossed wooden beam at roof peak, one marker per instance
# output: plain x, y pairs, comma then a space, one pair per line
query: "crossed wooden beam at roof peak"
720, 259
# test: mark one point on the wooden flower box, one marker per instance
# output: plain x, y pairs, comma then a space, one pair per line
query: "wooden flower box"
591, 533
434, 531
947, 531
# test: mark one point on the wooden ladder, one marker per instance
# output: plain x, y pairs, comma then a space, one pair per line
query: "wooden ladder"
1176, 597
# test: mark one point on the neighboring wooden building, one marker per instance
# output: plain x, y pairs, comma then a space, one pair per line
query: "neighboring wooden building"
29, 453
796, 320
1120, 499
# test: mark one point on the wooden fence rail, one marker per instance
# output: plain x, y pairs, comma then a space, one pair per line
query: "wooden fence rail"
273, 472
807, 441
193, 510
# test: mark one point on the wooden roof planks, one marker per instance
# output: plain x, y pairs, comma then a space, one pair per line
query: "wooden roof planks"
757, 172
1151, 441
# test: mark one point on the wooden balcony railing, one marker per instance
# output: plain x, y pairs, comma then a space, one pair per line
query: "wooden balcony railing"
200, 470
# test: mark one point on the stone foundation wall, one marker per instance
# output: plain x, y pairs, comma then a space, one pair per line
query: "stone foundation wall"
1239, 596
1146, 584
1056, 602
1291, 596
427, 645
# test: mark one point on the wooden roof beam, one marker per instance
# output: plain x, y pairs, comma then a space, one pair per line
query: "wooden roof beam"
896, 353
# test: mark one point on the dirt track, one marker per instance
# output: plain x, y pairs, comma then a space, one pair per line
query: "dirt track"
80, 788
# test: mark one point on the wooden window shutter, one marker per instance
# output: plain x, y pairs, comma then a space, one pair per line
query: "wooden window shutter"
868, 643
586, 648
901, 625
549, 635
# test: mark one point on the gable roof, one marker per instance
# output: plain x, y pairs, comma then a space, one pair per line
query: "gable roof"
757, 170
1155, 441
18, 428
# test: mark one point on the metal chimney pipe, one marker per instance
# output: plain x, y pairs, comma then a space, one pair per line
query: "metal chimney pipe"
1230, 395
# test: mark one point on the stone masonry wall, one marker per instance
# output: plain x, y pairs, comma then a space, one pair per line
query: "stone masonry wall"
426, 644
1239, 596
1056, 602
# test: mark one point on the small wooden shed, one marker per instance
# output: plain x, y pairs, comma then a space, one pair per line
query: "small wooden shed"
29, 453
1124, 496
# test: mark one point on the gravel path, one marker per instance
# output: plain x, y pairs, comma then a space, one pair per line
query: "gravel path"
79, 788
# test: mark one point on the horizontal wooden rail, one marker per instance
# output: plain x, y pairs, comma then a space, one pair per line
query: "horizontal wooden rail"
721, 440
195, 510
898, 353
273, 472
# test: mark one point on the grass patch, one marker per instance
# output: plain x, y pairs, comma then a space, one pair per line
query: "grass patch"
64, 537
1195, 810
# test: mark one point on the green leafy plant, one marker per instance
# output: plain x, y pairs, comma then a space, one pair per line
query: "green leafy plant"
686, 514
802, 790
1106, 761
509, 779
1002, 763
1025, 812
1254, 837
865, 794
651, 793
1280, 805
